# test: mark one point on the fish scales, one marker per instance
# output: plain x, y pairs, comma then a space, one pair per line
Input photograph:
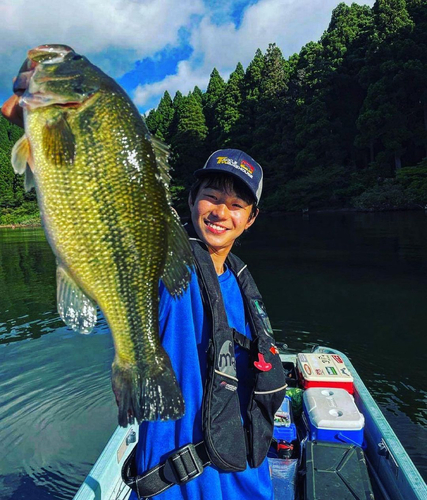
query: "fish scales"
107, 216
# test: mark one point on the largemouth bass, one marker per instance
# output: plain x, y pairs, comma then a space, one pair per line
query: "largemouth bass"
102, 189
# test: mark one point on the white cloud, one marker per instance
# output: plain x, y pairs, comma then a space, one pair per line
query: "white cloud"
289, 23
116, 33
184, 80
94, 25
134, 28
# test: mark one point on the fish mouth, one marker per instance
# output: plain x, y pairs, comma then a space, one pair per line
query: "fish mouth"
46, 54
39, 99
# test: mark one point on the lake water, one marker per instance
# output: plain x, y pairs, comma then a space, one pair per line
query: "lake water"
355, 282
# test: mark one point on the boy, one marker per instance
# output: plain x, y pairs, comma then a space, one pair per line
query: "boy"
218, 368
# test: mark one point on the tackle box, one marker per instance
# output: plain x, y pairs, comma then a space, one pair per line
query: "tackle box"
284, 427
323, 370
332, 415
335, 471
284, 432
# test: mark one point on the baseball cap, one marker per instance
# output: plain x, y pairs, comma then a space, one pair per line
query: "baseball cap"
238, 164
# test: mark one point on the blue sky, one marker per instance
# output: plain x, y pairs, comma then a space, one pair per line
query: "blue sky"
150, 46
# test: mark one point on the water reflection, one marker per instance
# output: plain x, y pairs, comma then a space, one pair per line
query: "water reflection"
27, 285
355, 282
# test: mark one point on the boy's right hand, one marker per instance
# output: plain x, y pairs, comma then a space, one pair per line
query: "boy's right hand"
12, 111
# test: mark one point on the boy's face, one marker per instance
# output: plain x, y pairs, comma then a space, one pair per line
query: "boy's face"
219, 217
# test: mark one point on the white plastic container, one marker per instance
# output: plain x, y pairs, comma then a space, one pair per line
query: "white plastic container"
323, 370
332, 415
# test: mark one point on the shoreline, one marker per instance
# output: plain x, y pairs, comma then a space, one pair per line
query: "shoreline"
273, 213
276, 213
19, 226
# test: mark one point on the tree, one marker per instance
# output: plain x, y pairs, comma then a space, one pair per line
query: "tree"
12, 191
188, 143
386, 119
198, 94
272, 94
251, 90
391, 18
166, 111
228, 107
153, 121
211, 97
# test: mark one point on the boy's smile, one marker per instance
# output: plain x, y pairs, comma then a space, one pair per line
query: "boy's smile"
219, 218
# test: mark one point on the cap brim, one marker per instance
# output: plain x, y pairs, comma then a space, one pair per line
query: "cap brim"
204, 172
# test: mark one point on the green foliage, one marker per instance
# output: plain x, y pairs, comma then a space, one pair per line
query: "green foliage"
321, 188
210, 100
414, 182
26, 214
188, 142
341, 124
228, 106
12, 193
387, 195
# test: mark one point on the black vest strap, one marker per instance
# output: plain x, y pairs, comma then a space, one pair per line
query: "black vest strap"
221, 406
180, 467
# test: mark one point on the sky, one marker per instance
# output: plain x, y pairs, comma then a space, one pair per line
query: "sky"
150, 46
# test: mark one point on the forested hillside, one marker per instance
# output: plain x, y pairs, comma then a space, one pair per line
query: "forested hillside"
342, 124
15, 204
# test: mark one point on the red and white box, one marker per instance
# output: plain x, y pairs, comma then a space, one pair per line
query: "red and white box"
323, 370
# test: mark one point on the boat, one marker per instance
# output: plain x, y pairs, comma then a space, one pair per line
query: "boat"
392, 473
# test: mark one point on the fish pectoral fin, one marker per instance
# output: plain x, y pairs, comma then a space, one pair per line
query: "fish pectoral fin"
76, 309
59, 142
176, 274
21, 155
29, 179
21, 159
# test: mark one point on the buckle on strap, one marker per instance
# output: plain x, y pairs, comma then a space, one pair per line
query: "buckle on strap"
242, 340
183, 465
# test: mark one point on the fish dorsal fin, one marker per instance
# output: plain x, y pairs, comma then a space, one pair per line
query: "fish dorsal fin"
21, 155
176, 274
76, 309
162, 153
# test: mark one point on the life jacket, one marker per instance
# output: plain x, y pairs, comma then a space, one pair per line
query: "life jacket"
229, 444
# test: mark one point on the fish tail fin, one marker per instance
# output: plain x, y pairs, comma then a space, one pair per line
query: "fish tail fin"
149, 392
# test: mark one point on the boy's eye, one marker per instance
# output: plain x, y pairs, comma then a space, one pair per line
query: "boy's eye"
237, 205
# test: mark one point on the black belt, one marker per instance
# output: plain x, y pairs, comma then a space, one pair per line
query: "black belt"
180, 467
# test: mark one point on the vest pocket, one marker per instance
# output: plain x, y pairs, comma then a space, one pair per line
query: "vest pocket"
224, 434
261, 418
267, 396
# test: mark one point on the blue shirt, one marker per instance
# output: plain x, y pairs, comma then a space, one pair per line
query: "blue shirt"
185, 332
